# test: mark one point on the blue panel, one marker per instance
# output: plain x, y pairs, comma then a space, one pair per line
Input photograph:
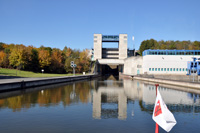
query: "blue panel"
170, 52
110, 38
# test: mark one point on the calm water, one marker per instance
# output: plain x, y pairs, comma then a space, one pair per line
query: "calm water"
95, 106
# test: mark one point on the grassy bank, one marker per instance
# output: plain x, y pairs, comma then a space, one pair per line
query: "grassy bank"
19, 73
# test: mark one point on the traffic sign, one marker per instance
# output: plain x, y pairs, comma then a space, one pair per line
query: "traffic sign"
72, 62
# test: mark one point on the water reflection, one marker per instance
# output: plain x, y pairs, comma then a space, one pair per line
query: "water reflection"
109, 98
47, 96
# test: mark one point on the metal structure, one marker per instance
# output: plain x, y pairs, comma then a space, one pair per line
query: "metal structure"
73, 66
193, 67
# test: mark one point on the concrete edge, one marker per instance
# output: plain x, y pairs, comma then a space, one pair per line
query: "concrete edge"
168, 82
23, 84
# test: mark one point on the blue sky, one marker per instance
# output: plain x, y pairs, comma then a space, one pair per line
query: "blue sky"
72, 23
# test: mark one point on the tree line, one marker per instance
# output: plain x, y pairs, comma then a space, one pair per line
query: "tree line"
153, 44
52, 60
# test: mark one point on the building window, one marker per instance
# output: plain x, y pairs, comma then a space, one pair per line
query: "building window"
186, 69
149, 69
164, 69
174, 69
158, 69
167, 69
155, 69
95, 36
183, 69
179, 69
152, 69
170, 69
161, 69
95, 40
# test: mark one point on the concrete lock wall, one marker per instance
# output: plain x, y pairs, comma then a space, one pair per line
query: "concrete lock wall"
23, 83
133, 65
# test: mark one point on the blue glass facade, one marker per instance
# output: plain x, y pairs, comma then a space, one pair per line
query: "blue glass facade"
110, 38
170, 52
193, 66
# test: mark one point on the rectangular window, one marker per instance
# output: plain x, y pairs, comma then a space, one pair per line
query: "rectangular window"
183, 69
158, 69
170, 69
167, 69
152, 69
95, 40
179, 69
186, 69
149, 69
95, 36
155, 69
164, 69
176, 69
161, 69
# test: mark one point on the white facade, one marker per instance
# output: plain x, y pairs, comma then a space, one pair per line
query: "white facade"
166, 64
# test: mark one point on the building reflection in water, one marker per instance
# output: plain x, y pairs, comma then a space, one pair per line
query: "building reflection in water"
110, 98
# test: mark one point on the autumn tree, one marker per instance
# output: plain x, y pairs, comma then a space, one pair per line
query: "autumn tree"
57, 61
44, 58
2, 58
85, 60
19, 56
33, 63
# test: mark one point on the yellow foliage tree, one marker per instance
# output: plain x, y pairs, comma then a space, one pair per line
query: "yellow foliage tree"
44, 58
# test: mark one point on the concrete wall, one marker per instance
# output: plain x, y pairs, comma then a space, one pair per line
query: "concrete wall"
22, 83
133, 65
123, 46
97, 46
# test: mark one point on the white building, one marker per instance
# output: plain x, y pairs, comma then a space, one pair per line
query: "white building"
167, 61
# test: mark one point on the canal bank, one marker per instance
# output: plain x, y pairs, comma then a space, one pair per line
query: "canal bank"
177, 82
23, 83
